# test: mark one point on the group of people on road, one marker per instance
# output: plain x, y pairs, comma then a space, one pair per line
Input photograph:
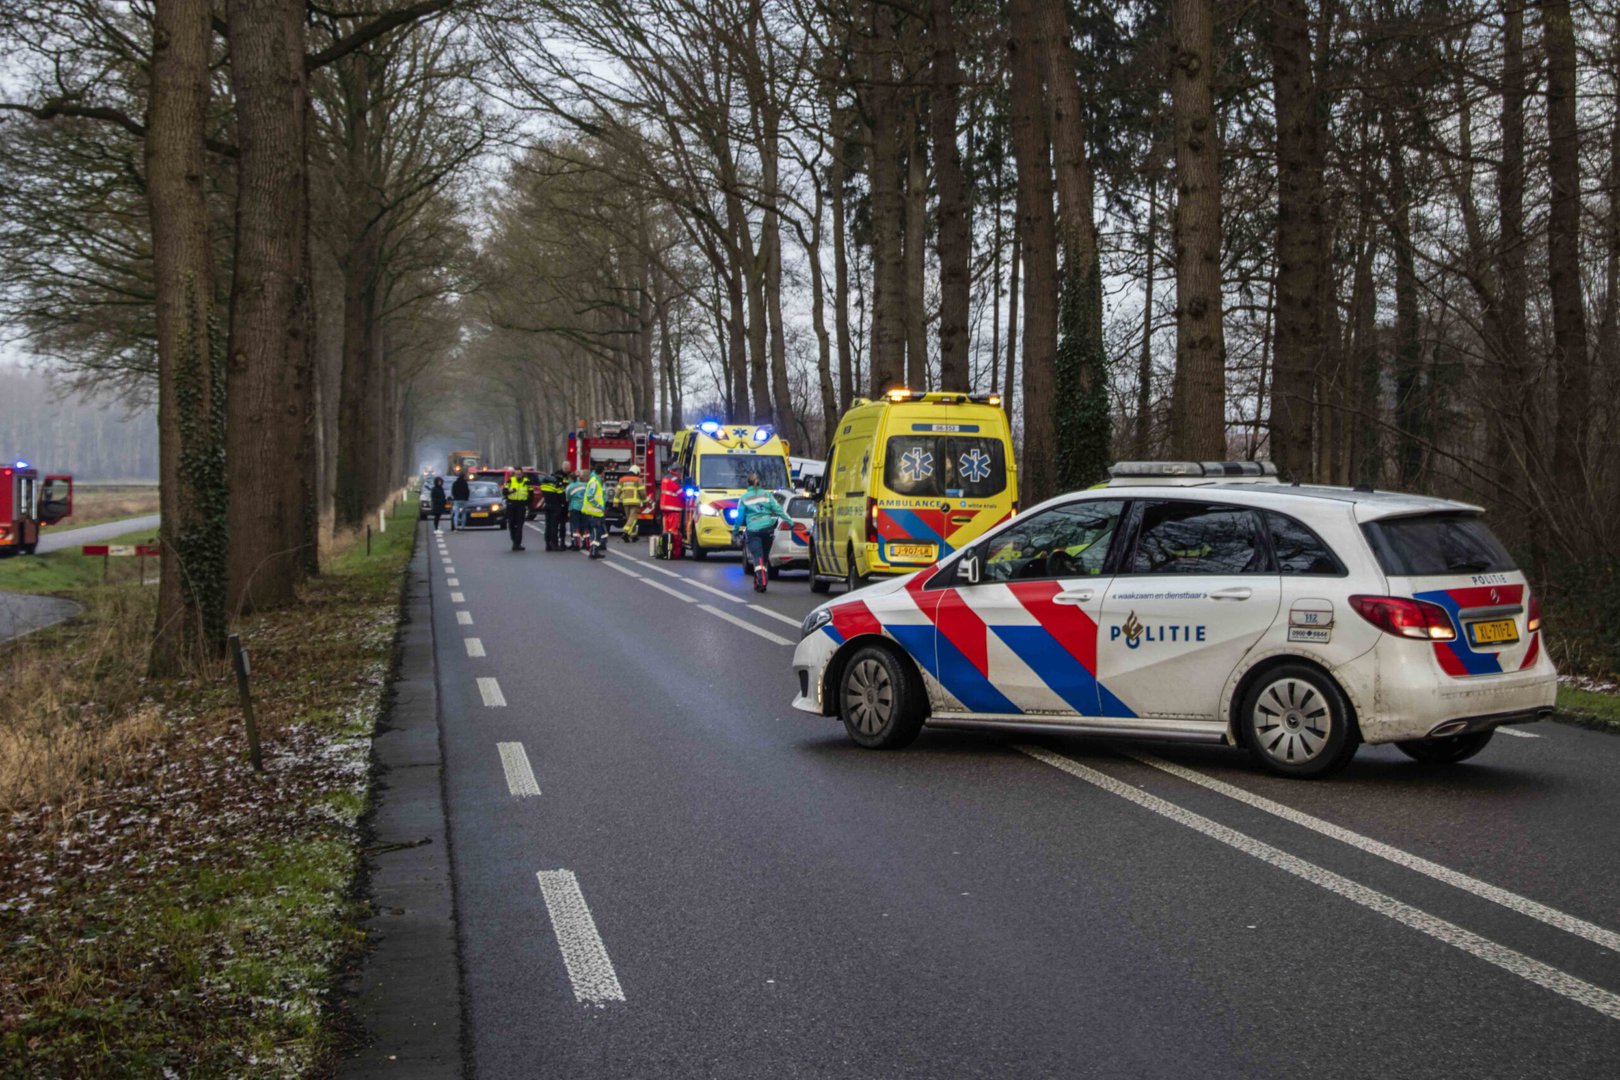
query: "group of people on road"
575, 508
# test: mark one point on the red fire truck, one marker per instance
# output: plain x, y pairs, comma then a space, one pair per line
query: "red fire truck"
616, 446
26, 503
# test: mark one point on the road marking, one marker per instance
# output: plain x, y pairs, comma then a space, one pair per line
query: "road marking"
449, 569
515, 763
1511, 900
666, 571
695, 583
661, 587
475, 647
1518, 734
744, 623
589, 969
452, 582
790, 620
623, 570
490, 690
458, 598
464, 618
1516, 963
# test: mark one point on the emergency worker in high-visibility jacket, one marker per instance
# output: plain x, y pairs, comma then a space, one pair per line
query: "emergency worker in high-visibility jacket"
631, 496
554, 500
671, 502
518, 492
575, 493
594, 508
758, 514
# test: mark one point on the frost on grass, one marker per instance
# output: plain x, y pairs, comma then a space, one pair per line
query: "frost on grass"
164, 909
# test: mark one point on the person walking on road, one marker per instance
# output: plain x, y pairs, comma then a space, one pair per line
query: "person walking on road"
758, 514
555, 501
593, 506
437, 501
460, 492
575, 493
671, 501
519, 493
631, 496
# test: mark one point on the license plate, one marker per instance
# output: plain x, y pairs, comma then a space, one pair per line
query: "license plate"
1493, 632
911, 551
480, 515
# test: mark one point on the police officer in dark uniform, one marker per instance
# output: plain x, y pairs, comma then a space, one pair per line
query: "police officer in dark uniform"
519, 491
554, 496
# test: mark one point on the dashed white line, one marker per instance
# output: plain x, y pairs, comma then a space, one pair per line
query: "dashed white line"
661, 587
1518, 734
776, 615
1511, 900
464, 618
515, 763
475, 647
589, 968
696, 584
621, 569
458, 598
490, 691
666, 571
452, 582
744, 623
1509, 960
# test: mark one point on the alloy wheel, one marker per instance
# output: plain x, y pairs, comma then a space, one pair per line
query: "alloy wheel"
1292, 721
869, 696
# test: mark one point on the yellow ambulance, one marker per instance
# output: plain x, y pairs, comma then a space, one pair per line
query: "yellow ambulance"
715, 461
911, 478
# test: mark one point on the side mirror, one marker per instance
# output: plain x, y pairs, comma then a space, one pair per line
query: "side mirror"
969, 568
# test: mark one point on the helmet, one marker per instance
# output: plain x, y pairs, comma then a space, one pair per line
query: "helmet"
635, 470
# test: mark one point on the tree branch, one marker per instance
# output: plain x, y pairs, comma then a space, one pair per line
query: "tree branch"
56, 107
373, 30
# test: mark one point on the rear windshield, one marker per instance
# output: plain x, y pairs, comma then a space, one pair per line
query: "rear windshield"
801, 508
945, 466
1435, 544
731, 470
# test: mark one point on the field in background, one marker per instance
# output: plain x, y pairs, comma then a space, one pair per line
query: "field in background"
95, 503
66, 570
167, 911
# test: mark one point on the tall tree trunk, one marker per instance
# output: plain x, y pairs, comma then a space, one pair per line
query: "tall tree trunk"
996, 243
736, 327
1142, 443
1300, 248
916, 250
842, 120
191, 371
361, 262
955, 242
1081, 420
268, 431
1514, 435
1016, 265
1411, 409
1570, 359
771, 253
1037, 477
1198, 417
887, 367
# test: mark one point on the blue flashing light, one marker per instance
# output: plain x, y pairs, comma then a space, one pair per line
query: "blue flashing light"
731, 516
762, 433
709, 427
21, 464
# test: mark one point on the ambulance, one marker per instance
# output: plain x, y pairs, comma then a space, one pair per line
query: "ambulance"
911, 478
716, 460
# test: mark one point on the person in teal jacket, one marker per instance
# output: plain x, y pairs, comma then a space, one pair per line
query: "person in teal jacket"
576, 511
758, 513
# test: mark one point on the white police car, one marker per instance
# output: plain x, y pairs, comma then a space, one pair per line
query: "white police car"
1205, 603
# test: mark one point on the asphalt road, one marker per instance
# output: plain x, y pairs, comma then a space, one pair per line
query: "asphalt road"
51, 539
662, 870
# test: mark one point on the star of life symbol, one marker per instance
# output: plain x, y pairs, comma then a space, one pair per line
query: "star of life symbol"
916, 464
975, 466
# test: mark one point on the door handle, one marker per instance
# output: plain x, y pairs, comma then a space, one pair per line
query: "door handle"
1074, 596
1238, 593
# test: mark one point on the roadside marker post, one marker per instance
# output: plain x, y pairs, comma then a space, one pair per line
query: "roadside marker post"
368, 540
239, 660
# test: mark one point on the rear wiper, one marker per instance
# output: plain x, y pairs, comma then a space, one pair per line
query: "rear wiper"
1473, 566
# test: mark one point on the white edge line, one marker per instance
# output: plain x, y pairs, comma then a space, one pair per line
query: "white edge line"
1510, 900
453, 582
1516, 963
661, 587
475, 647
490, 690
515, 763
458, 598
621, 569
744, 623
464, 618
589, 968
1518, 734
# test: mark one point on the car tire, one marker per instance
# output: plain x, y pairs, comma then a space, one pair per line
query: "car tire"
852, 578
878, 700
818, 584
1296, 722
1448, 750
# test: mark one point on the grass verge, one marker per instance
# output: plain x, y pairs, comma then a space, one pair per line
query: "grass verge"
163, 909
94, 505
1587, 708
66, 569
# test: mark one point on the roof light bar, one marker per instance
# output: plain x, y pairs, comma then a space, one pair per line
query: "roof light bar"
899, 393
1140, 469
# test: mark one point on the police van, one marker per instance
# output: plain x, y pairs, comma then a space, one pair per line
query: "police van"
1201, 602
716, 460
909, 479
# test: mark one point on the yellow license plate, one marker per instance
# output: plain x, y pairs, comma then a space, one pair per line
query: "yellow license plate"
1493, 632
911, 551
480, 515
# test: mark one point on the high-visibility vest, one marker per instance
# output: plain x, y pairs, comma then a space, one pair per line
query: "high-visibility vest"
630, 493
518, 489
595, 504
670, 497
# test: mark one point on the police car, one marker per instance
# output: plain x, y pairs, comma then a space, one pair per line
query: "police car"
1201, 602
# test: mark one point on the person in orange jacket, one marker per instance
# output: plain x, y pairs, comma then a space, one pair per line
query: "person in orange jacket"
671, 501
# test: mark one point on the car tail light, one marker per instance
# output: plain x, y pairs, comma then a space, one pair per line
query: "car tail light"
1533, 623
1405, 617
871, 520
